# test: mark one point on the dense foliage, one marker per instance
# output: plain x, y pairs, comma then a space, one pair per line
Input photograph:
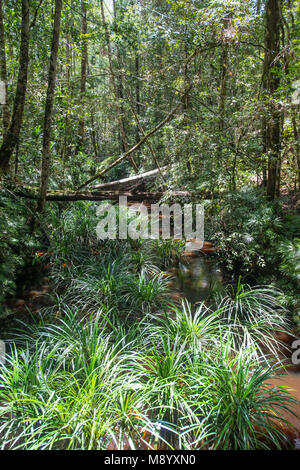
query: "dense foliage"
97, 383
103, 352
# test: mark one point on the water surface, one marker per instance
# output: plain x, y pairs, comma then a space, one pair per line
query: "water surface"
195, 278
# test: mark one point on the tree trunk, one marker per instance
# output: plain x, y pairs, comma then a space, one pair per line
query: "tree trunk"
271, 82
61, 196
137, 91
3, 75
49, 105
132, 181
258, 7
84, 61
223, 86
68, 70
115, 90
185, 110
12, 136
297, 146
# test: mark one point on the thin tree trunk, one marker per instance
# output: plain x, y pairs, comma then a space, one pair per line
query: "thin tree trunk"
148, 143
264, 153
16, 161
223, 87
93, 137
115, 90
12, 136
137, 92
120, 93
286, 41
67, 136
84, 61
297, 146
271, 82
258, 7
3, 75
185, 108
49, 105
140, 129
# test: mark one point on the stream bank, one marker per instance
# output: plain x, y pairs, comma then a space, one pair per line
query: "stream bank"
196, 276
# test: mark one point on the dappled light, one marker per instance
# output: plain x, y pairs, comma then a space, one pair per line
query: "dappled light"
149, 228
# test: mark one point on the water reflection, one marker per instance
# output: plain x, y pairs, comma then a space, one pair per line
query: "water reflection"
197, 277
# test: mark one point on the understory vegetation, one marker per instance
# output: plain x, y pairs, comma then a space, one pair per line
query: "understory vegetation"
111, 363
110, 342
97, 383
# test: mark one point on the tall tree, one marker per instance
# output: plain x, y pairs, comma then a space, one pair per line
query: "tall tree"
271, 82
49, 105
137, 91
12, 135
84, 62
3, 72
115, 89
68, 70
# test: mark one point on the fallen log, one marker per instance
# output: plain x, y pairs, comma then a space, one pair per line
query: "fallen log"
69, 196
134, 181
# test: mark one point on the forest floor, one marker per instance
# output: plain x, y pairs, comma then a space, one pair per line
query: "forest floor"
291, 200
34, 293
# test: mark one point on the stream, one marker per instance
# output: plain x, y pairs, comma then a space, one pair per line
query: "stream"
194, 278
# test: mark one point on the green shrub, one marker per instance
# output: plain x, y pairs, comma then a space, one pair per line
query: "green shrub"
74, 383
16, 243
244, 413
246, 229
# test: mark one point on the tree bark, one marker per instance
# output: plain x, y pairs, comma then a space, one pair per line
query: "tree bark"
223, 87
49, 105
137, 91
84, 61
3, 74
297, 145
12, 136
68, 70
271, 82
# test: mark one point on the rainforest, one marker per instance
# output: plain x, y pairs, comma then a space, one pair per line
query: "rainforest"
179, 332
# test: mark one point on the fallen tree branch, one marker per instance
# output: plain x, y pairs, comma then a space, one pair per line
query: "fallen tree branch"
134, 148
137, 179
